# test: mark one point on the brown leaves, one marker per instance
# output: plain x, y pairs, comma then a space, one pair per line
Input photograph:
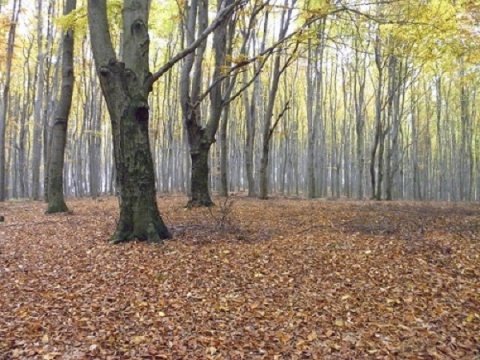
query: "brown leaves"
307, 279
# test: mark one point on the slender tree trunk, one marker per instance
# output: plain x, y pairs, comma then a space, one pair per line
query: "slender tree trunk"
465, 179
224, 153
250, 112
268, 127
376, 157
440, 140
359, 97
6, 94
51, 86
312, 138
56, 202
38, 108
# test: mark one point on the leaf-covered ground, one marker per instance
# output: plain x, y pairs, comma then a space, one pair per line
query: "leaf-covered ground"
278, 279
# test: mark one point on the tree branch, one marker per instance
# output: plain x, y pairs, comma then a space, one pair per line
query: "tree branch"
272, 129
221, 16
102, 47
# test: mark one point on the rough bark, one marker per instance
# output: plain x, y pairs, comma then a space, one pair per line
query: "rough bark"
200, 192
56, 202
126, 93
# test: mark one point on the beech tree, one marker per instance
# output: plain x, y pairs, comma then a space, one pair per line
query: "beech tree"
416, 107
56, 202
6, 93
126, 84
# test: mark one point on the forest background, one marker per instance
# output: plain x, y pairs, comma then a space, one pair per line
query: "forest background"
374, 100
309, 99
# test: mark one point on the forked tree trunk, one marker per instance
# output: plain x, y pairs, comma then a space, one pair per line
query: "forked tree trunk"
125, 86
201, 138
128, 108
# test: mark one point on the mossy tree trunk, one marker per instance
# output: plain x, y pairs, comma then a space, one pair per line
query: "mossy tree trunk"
139, 215
126, 85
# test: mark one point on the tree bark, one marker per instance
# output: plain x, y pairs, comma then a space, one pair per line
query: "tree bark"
39, 120
126, 94
6, 95
268, 127
201, 138
56, 202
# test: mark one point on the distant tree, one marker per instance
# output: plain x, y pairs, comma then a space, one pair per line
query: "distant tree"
202, 137
268, 126
6, 92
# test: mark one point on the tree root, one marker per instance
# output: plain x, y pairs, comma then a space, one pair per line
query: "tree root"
199, 203
153, 234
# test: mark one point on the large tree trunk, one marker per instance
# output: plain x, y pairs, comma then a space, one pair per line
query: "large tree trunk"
139, 215
56, 202
125, 88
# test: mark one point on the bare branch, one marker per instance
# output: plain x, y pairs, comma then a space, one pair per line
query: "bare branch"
221, 16
284, 110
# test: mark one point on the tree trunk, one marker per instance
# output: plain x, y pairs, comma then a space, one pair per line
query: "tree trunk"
224, 153
268, 127
56, 202
125, 86
6, 95
359, 101
200, 195
312, 138
39, 120
190, 87
376, 177
201, 138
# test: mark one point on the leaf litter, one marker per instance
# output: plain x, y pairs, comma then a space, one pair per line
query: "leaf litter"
279, 279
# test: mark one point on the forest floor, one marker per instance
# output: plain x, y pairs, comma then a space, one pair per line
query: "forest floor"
249, 279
